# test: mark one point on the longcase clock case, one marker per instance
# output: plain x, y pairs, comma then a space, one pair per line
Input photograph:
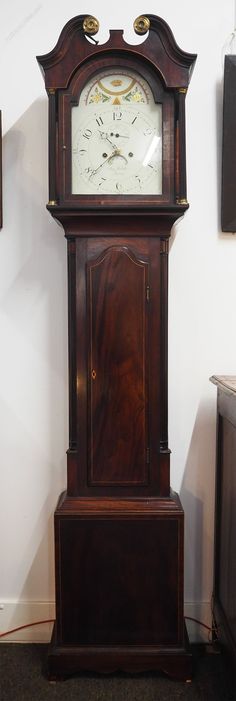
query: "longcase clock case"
118, 527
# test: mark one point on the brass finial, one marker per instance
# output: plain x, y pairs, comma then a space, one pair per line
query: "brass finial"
141, 24
90, 25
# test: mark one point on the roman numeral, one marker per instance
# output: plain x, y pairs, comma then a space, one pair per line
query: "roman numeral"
87, 134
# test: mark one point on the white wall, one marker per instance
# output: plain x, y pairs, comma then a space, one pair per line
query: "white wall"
33, 308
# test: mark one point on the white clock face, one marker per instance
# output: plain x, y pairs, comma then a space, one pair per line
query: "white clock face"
117, 137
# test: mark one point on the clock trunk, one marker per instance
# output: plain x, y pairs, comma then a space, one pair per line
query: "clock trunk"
118, 436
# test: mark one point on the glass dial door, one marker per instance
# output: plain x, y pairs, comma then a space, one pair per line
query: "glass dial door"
117, 136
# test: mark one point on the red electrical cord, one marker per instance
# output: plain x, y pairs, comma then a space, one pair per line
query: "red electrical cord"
188, 618
52, 620
27, 625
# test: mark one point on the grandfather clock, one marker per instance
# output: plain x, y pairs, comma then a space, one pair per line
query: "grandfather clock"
117, 184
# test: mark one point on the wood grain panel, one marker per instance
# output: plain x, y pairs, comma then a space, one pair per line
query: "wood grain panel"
121, 581
117, 301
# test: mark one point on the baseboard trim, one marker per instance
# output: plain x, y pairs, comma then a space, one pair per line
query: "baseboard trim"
19, 613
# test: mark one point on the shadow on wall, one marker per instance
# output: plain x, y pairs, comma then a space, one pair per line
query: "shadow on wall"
35, 572
35, 296
40, 545
33, 310
198, 499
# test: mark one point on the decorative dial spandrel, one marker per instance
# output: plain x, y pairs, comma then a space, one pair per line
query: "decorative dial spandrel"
117, 137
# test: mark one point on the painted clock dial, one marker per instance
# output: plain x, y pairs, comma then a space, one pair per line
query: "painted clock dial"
117, 136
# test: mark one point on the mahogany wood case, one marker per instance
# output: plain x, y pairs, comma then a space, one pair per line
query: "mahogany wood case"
118, 527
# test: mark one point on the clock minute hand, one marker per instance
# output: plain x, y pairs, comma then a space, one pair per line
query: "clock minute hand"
115, 153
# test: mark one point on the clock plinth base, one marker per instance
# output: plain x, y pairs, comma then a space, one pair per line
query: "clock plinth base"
119, 583
64, 661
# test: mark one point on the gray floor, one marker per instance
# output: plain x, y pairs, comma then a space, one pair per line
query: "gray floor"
22, 678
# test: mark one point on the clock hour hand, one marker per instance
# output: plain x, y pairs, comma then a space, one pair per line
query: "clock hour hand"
105, 136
